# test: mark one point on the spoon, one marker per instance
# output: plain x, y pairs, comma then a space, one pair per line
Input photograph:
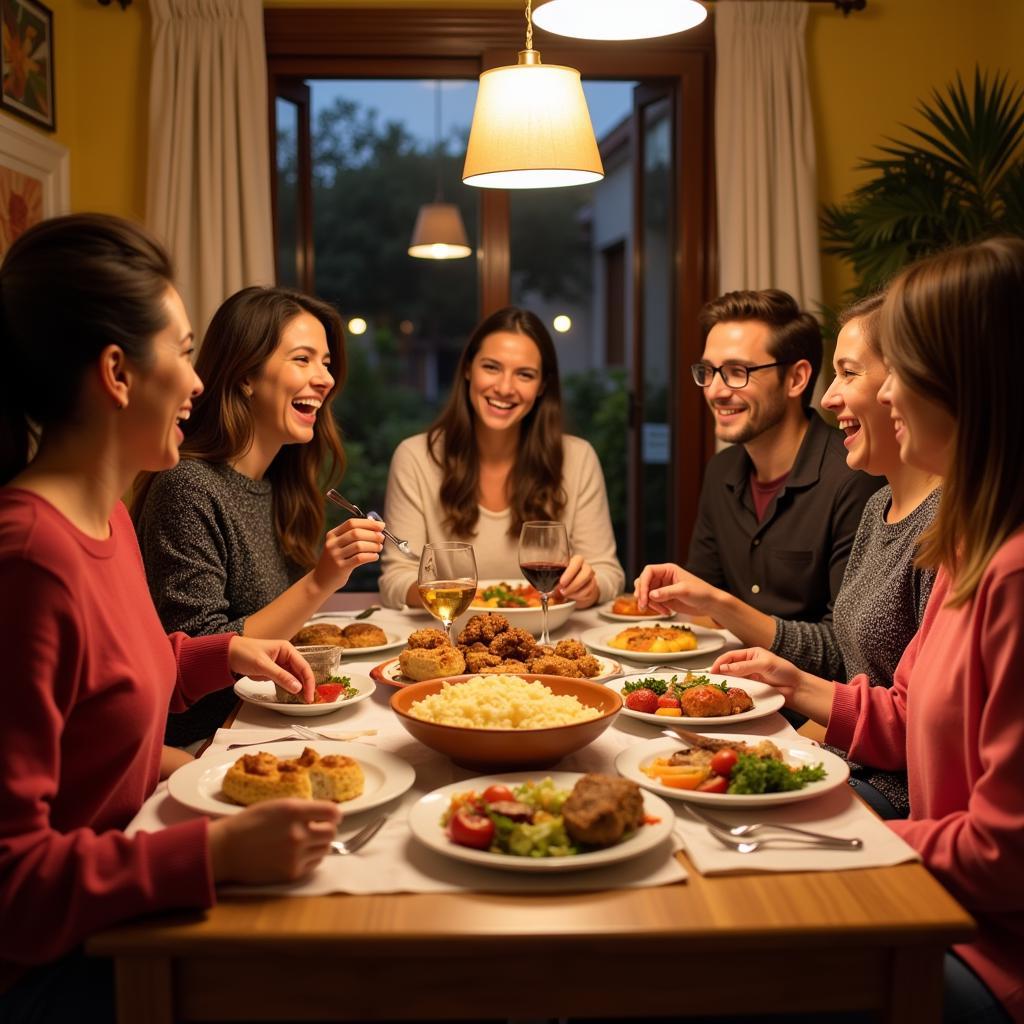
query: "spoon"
402, 545
752, 845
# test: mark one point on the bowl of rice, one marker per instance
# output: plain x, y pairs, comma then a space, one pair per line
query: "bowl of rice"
506, 722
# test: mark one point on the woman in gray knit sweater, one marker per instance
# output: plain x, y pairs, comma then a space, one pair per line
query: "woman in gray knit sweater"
881, 602
232, 537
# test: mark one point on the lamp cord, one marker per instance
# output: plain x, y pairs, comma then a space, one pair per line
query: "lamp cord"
529, 26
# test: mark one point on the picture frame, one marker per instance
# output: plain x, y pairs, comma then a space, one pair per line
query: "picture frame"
26, 62
34, 179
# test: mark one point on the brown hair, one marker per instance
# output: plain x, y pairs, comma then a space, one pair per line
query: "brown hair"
866, 310
952, 327
795, 334
243, 334
69, 287
535, 483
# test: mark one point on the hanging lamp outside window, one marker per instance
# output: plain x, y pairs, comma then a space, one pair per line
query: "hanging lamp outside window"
439, 233
531, 126
619, 19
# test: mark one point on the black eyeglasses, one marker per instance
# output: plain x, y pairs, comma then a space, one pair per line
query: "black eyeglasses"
734, 375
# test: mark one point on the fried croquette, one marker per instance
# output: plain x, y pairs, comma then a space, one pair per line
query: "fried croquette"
504, 668
364, 634
420, 663
571, 649
428, 639
320, 634
477, 661
514, 643
553, 665
483, 628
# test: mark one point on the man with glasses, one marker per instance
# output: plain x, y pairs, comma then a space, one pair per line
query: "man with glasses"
780, 508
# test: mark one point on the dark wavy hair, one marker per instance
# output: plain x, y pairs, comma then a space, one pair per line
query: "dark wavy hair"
69, 287
795, 334
951, 328
243, 334
535, 484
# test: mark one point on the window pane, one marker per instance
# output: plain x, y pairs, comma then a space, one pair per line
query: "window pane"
287, 115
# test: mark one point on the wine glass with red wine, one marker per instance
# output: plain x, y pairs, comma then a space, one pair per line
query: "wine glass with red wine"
447, 581
543, 557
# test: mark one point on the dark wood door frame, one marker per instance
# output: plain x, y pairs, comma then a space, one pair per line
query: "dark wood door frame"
403, 43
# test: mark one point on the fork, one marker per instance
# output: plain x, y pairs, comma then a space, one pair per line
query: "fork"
304, 732
291, 739
736, 832
402, 545
360, 839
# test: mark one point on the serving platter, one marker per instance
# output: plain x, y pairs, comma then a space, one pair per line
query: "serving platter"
197, 785
630, 761
767, 700
597, 639
389, 673
261, 693
425, 825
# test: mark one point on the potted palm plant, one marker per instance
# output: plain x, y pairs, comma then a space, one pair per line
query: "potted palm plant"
958, 178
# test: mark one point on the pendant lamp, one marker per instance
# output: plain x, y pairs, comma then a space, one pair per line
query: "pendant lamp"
531, 126
619, 19
439, 233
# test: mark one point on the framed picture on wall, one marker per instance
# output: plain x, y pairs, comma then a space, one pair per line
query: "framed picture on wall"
33, 179
27, 62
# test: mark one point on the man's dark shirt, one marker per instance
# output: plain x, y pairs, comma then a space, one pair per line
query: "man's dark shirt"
790, 564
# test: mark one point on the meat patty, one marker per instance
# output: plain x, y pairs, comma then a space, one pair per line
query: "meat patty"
601, 809
739, 700
705, 702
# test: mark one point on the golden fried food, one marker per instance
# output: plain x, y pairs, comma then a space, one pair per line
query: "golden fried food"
504, 668
705, 702
625, 604
655, 639
588, 666
477, 661
571, 649
262, 776
428, 639
364, 634
553, 665
419, 663
739, 700
514, 643
483, 628
319, 634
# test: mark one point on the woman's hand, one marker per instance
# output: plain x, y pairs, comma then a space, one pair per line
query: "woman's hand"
578, 583
275, 660
356, 542
670, 588
810, 695
276, 841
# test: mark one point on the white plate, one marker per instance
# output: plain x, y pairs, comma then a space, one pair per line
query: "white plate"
261, 692
530, 619
356, 653
390, 672
837, 771
766, 700
197, 785
708, 641
605, 611
425, 825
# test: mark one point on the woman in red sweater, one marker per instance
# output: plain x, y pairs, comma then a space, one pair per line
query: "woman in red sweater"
97, 355
952, 330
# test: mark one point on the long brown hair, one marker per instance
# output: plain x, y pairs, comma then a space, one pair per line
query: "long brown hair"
535, 483
952, 328
243, 334
69, 287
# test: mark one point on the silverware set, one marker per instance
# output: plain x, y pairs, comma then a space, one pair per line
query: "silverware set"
304, 733
342, 502
735, 836
360, 839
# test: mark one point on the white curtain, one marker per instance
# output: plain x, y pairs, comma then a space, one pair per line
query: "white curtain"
208, 182
764, 150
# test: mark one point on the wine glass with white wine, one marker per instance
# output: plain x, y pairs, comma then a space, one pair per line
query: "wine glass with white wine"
543, 557
447, 581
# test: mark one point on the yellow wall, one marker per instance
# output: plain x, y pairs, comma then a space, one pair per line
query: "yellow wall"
867, 73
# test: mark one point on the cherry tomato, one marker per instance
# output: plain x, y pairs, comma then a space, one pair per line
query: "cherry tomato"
496, 794
723, 762
642, 700
473, 830
668, 701
716, 784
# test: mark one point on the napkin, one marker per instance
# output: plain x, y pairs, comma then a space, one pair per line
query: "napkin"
838, 813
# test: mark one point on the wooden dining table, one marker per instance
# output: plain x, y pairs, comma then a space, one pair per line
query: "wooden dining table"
870, 939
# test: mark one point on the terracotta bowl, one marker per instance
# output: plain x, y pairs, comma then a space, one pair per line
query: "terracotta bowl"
510, 749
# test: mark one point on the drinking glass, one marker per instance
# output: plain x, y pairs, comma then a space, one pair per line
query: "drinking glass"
447, 581
543, 557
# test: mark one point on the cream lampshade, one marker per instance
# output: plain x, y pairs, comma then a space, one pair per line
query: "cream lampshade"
439, 233
531, 128
619, 19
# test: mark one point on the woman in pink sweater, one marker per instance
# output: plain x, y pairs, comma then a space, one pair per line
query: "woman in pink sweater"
952, 329
97, 355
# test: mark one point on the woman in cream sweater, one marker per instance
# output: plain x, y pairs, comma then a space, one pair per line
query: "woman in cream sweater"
495, 458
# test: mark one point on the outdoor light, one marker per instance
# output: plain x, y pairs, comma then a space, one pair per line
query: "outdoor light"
439, 233
562, 323
531, 126
357, 325
619, 19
